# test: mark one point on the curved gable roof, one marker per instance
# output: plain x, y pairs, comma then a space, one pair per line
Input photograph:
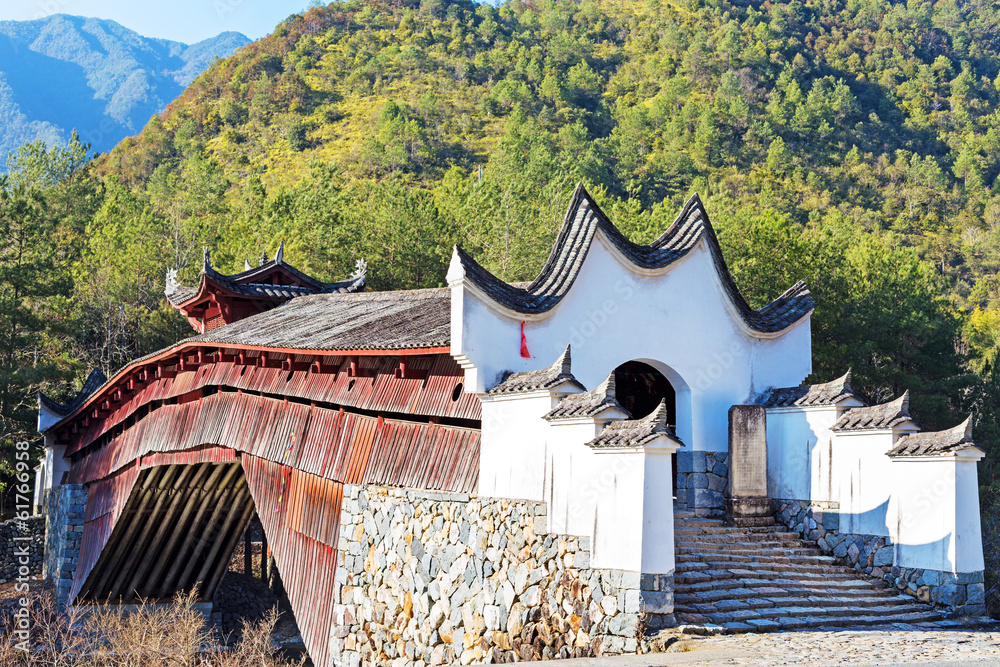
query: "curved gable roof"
584, 218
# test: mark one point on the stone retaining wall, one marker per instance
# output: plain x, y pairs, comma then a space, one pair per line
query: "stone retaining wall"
438, 578
874, 555
20, 540
64, 513
702, 480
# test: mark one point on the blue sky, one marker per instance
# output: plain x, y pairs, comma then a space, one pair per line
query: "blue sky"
181, 20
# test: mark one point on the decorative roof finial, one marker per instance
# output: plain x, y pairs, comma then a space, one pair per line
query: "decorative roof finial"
360, 269
280, 255
564, 363
246, 265
263, 258
172, 283
206, 264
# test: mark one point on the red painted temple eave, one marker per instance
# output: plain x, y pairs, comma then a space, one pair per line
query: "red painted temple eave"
182, 347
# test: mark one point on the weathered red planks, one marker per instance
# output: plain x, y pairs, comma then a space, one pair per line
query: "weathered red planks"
336, 445
307, 566
105, 501
375, 388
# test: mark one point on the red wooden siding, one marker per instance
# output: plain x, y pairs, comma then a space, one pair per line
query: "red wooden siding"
375, 388
307, 566
335, 445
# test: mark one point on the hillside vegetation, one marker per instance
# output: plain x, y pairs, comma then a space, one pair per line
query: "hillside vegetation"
850, 143
63, 72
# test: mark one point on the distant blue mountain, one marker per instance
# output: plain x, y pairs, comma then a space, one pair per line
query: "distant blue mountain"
64, 72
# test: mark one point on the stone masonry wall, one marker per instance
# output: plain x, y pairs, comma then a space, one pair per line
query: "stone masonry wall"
702, 480
430, 578
14, 548
64, 514
874, 555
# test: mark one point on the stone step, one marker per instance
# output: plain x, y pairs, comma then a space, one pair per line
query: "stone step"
712, 554
779, 596
699, 605
738, 574
844, 612
814, 585
711, 590
748, 548
770, 565
734, 533
725, 561
815, 622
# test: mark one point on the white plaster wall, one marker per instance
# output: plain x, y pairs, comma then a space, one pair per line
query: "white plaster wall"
865, 475
513, 457
799, 453
677, 319
572, 494
634, 528
937, 504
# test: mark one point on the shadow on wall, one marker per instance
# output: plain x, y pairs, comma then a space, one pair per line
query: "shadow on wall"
870, 522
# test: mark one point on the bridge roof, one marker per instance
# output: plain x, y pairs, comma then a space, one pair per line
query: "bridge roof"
359, 321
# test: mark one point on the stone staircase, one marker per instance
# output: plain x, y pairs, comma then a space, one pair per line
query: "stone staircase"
763, 578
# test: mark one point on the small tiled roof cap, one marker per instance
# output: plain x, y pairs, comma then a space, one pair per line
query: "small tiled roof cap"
556, 375
886, 415
627, 433
93, 382
589, 403
583, 219
829, 393
937, 443
243, 283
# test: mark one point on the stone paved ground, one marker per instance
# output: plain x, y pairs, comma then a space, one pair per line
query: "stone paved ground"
885, 646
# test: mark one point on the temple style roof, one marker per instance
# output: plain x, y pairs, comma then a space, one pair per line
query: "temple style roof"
584, 218
829, 393
591, 403
628, 433
556, 375
272, 279
93, 382
886, 415
936, 443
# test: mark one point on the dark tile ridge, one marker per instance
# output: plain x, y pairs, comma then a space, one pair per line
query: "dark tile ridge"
827, 393
584, 217
556, 375
94, 381
935, 443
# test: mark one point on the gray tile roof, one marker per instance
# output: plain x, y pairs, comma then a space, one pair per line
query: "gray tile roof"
886, 415
556, 375
626, 433
936, 443
242, 283
591, 403
584, 218
360, 321
828, 393
93, 382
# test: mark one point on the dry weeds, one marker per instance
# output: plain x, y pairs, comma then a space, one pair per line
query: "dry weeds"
174, 635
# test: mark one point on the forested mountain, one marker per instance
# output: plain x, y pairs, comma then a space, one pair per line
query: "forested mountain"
61, 73
850, 143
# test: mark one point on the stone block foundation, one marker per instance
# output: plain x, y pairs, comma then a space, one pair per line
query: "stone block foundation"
702, 480
22, 545
65, 507
439, 578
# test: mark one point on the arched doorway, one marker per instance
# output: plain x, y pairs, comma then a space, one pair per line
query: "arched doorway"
639, 388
